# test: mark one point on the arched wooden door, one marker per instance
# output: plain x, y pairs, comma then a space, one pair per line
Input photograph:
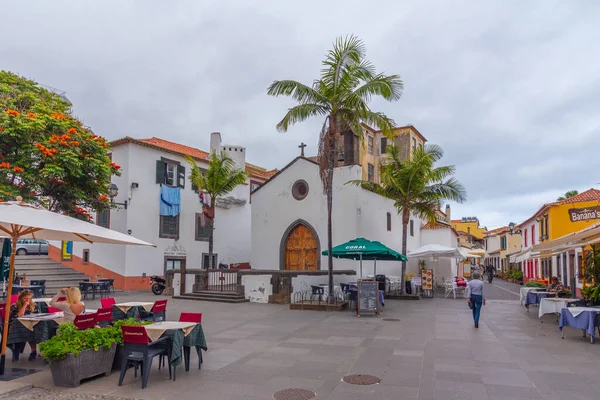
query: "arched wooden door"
301, 250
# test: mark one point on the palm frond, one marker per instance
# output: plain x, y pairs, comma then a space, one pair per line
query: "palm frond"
297, 91
345, 51
301, 113
389, 87
380, 120
220, 178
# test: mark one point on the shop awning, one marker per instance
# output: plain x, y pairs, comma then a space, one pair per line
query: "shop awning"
586, 236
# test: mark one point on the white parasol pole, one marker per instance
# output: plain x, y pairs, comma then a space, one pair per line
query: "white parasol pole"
360, 265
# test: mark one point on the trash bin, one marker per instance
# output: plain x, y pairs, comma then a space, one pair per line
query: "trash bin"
408, 287
381, 279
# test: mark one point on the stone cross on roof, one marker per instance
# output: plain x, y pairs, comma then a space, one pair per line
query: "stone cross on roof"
302, 146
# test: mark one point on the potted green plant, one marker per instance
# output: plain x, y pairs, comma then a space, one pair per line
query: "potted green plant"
76, 354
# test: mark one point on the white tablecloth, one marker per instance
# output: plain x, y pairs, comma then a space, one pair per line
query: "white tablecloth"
552, 305
524, 290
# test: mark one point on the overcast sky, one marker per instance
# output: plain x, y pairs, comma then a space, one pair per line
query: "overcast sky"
509, 89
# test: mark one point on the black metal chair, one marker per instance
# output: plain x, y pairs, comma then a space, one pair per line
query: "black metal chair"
86, 288
40, 282
317, 291
138, 352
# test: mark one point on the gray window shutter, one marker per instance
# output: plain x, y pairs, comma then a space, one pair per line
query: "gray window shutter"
181, 176
160, 171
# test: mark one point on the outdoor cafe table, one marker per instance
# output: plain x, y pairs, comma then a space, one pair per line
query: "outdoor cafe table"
32, 328
525, 290
584, 318
37, 290
535, 297
130, 309
553, 305
184, 336
43, 302
95, 286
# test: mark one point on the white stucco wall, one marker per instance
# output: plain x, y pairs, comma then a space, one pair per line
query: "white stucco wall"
356, 213
232, 226
257, 288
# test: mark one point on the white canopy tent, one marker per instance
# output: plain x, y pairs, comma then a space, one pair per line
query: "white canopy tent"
437, 251
21, 220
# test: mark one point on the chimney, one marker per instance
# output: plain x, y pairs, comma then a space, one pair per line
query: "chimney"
448, 218
215, 142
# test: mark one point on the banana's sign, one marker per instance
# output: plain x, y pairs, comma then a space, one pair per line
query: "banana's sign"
584, 214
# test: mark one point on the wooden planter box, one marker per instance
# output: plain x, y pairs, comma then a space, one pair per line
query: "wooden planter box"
70, 371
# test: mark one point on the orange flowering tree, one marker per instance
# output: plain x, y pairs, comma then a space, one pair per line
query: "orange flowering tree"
47, 156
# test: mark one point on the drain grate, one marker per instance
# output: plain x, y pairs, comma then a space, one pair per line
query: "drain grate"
392, 319
295, 394
361, 379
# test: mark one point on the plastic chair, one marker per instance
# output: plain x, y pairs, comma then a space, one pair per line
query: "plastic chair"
104, 316
138, 352
108, 302
158, 313
190, 317
317, 291
13, 298
85, 321
85, 288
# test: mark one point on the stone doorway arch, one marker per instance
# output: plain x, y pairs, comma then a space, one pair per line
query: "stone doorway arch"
300, 248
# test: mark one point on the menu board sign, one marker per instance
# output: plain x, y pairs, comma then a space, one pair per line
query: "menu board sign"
427, 279
368, 297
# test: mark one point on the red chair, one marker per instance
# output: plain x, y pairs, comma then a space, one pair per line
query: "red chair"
108, 302
190, 317
104, 316
197, 319
13, 298
158, 313
138, 352
85, 321
54, 309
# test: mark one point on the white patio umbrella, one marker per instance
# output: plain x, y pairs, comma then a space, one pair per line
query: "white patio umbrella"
21, 220
434, 250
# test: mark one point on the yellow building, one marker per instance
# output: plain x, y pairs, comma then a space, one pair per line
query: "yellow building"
554, 220
469, 225
371, 151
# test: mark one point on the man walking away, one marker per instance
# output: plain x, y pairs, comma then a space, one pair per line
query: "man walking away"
476, 296
490, 270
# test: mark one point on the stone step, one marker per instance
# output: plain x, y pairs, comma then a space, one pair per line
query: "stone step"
35, 260
215, 297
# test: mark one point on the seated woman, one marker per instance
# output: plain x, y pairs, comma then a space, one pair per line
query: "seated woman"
555, 285
73, 306
24, 305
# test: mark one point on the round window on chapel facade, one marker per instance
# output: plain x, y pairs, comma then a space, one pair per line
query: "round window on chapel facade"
300, 190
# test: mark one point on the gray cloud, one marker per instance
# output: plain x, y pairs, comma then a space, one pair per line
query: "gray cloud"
508, 88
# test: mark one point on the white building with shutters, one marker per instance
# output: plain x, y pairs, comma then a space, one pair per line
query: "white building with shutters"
181, 241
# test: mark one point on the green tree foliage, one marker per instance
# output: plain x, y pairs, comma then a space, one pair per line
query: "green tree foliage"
47, 156
568, 195
219, 180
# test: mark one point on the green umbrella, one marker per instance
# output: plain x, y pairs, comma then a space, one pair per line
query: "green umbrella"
364, 249
5, 260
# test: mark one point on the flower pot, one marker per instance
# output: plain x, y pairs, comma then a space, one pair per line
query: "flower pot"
70, 371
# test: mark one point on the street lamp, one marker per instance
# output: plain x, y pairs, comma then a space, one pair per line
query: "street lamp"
113, 191
511, 226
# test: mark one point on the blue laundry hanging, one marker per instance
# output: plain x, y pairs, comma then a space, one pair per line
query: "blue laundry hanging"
170, 201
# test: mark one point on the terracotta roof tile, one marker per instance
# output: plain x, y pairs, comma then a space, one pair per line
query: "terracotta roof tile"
497, 231
588, 195
178, 148
253, 170
439, 226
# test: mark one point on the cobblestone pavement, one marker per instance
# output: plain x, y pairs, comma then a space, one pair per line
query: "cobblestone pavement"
432, 353
45, 394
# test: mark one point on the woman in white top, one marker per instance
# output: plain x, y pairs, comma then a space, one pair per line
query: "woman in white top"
73, 306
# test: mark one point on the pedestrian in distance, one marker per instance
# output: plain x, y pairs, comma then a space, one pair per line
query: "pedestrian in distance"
476, 296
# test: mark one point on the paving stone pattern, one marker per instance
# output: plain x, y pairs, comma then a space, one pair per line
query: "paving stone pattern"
46, 394
433, 353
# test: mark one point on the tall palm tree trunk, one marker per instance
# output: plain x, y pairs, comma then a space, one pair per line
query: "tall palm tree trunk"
405, 221
211, 235
331, 138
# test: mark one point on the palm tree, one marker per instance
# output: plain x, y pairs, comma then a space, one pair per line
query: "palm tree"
569, 194
341, 95
416, 186
220, 179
